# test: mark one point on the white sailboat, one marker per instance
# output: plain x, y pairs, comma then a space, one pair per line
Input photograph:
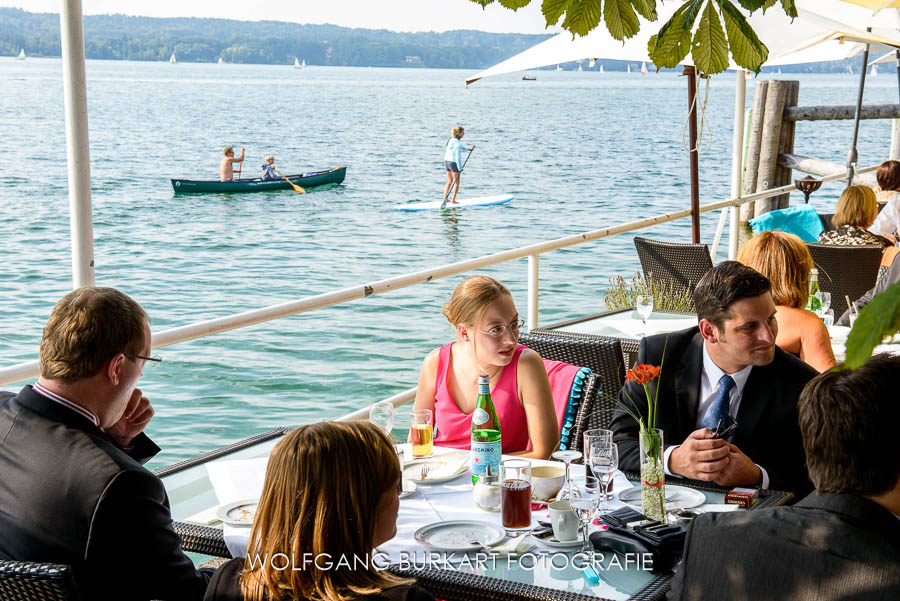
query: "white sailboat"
628, 70
643, 68
558, 68
297, 63
221, 62
592, 62
579, 68
21, 56
874, 71
303, 64
601, 68
172, 60
779, 71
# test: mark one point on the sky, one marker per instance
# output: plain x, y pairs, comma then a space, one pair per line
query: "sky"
396, 15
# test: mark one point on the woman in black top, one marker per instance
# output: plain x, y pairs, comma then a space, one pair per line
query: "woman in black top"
855, 213
330, 497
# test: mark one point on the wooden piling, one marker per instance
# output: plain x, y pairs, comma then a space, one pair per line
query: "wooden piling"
786, 143
751, 156
776, 96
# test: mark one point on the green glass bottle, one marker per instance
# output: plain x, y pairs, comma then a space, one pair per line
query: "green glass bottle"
486, 447
814, 303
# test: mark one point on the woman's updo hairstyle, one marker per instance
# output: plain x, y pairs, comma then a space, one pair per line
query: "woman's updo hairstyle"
457, 131
471, 298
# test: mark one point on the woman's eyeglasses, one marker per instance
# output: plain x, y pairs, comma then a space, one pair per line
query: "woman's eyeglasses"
499, 331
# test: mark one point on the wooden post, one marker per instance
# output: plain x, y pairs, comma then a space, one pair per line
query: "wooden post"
751, 158
786, 144
768, 146
695, 157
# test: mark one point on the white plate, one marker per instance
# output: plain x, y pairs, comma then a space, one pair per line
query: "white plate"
459, 535
677, 497
839, 333
409, 489
238, 513
559, 544
413, 470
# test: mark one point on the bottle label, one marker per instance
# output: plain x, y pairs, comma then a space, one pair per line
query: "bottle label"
485, 454
479, 416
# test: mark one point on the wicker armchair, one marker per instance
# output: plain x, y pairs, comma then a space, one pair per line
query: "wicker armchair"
846, 270
679, 264
28, 581
601, 355
826, 220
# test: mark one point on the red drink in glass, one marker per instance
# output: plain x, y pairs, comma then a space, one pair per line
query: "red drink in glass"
515, 504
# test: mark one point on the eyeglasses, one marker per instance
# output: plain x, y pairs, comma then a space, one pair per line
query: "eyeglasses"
499, 331
154, 361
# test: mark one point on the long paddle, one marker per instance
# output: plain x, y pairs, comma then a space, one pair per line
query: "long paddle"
296, 188
453, 183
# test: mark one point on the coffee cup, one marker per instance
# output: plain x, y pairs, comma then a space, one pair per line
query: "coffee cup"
563, 521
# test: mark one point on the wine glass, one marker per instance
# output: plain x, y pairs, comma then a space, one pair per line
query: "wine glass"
382, 415
567, 457
586, 494
604, 463
644, 306
825, 297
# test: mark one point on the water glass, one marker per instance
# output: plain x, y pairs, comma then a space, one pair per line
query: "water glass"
421, 433
604, 463
515, 495
592, 437
586, 494
853, 317
825, 297
567, 457
382, 415
644, 306
828, 318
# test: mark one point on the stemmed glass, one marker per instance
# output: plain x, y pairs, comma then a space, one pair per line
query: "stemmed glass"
604, 463
825, 297
644, 306
382, 415
567, 457
586, 493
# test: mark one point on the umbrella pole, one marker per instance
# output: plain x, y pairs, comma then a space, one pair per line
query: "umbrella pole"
852, 156
691, 73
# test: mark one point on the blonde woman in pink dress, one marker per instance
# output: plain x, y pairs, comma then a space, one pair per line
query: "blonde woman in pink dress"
486, 325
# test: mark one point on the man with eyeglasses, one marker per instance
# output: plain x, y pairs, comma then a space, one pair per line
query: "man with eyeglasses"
72, 486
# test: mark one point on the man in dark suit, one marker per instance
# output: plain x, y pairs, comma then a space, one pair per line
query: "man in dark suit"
840, 542
725, 371
72, 487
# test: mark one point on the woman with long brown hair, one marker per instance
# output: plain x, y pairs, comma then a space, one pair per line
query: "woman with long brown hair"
888, 220
329, 498
785, 260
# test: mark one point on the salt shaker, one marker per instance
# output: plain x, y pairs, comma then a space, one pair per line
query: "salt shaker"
486, 493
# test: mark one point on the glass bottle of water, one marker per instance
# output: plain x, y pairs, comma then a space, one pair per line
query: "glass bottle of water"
486, 447
814, 303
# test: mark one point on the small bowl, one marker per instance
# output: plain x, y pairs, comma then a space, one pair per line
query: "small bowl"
546, 480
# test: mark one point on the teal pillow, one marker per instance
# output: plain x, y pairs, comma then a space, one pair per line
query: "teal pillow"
801, 220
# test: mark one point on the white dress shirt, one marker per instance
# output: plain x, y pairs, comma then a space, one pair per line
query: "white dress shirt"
710, 376
889, 218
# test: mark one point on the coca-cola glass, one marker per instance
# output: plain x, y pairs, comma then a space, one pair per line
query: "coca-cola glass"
515, 495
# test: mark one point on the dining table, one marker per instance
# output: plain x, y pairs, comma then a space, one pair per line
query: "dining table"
523, 567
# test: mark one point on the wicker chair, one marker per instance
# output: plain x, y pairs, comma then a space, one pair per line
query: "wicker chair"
601, 355
28, 581
826, 220
679, 264
846, 270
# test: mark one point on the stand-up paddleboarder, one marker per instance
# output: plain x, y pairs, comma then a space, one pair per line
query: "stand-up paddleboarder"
453, 161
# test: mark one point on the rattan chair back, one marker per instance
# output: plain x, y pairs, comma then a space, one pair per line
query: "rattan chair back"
679, 264
602, 355
826, 219
28, 581
846, 270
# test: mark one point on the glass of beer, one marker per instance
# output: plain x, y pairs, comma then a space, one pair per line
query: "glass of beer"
421, 433
515, 495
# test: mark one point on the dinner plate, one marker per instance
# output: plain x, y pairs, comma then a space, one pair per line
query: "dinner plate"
238, 513
409, 489
460, 535
677, 497
437, 472
839, 333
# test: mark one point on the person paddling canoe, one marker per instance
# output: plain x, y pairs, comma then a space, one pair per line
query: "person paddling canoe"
226, 167
269, 169
453, 161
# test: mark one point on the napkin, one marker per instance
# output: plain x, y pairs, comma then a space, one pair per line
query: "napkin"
518, 546
449, 468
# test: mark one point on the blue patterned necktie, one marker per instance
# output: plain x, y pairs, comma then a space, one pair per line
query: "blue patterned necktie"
718, 410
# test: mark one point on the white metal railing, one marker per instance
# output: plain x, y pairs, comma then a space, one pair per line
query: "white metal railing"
24, 371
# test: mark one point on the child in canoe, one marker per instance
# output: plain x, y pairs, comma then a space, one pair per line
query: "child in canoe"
269, 169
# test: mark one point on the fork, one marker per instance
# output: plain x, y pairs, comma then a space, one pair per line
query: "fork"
424, 472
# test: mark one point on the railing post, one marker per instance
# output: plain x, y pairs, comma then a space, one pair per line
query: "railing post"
533, 286
737, 160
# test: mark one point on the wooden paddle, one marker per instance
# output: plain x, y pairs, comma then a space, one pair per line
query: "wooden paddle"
453, 183
296, 188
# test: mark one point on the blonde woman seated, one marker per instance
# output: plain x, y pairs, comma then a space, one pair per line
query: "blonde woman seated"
486, 324
785, 260
330, 493
855, 213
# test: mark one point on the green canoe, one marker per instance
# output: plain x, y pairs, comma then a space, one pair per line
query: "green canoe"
306, 180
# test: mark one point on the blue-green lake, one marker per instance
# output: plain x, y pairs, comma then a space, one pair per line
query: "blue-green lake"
579, 150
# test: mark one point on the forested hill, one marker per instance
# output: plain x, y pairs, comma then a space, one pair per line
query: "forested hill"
268, 42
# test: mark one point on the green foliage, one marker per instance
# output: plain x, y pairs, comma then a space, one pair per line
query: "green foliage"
621, 20
620, 295
710, 50
879, 318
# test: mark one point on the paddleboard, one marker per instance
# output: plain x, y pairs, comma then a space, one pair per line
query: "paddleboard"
481, 201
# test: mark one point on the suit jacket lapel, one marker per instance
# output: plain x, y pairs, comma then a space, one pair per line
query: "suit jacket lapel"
687, 385
752, 411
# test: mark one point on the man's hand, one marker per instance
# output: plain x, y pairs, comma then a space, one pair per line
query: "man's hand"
740, 471
135, 418
701, 456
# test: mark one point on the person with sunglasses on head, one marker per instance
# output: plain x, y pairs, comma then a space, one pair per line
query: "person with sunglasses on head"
453, 160
486, 324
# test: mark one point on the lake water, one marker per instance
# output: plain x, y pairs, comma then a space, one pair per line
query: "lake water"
579, 151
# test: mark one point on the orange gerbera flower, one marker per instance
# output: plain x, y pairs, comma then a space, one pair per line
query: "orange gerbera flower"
643, 373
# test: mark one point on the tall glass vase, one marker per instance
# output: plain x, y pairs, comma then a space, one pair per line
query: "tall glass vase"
653, 476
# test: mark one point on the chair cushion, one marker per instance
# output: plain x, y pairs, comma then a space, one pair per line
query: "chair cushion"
802, 221
567, 389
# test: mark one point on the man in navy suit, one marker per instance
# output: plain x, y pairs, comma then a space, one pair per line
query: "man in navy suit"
726, 370
840, 542
72, 487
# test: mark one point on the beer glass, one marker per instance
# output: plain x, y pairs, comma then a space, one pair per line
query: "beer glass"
515, 495
421, 433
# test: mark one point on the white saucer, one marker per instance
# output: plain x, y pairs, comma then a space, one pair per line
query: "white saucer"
559, 544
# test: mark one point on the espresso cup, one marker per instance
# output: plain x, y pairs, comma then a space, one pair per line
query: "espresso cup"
563, 521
